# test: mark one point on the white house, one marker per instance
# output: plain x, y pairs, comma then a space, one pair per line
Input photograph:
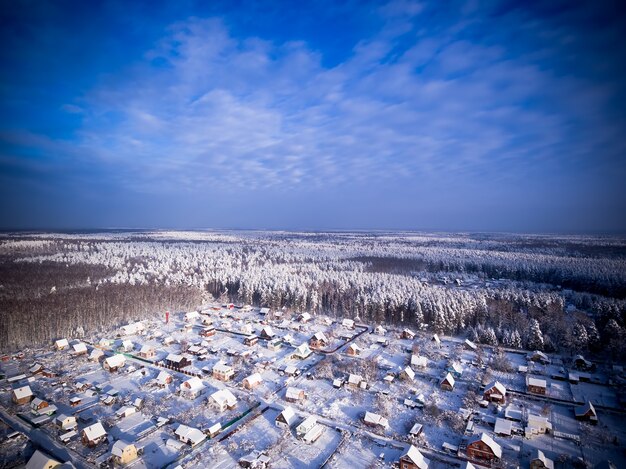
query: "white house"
286, 418
191, 436
223, 399
61, 344
191, 388
375, 420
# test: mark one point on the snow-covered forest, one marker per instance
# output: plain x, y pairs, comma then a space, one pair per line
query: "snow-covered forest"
563, 293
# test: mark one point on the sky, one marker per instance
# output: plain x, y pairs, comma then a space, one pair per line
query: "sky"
313, 115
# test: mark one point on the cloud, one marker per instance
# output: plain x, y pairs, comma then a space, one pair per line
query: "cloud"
425, 95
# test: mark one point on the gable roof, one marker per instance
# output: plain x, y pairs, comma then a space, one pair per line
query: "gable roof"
224, 397
498, 387
22, 392
40, 460
288, 415
417, 458
495, 447
95, 431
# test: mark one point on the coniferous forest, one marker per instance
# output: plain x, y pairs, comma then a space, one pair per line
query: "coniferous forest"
552, 293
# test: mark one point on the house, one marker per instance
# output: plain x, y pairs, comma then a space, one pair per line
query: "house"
192, 388
416, 430
177, 362
189, 435
354, 381
264, 311
581, 363
380, 330
251, 340
126, 411
305, 317
267, 333
536, 385
114, 363
286, 418
407, 334
470, 345
61, 344
484, 449
537, 425
93, 434
408, 374
540, 461
495, 392
223, 372
447, 383
96, 354
40, 460
223, 399
503, 427
38, 404
294, 394
418, 361
147, 351
79, 349
192, 316
215, 429
123, 453
255, 460
374, 420
75, 401
66, 422
36, 369
586, 412
436, 340
22, 395
538, 356
252, 381
302, 351
208, 331
348, 323
456, 369
413, 459
275, 344
163, 379
132, 329
127, 346
353, 350
291, 370
318, 340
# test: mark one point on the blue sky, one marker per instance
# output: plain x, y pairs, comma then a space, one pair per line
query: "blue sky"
505, 116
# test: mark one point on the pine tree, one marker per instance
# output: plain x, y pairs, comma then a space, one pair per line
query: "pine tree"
535, 336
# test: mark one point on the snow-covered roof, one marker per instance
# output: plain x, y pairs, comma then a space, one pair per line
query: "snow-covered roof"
147, 349
293, 393
320, 337
409, 372
115, 361
268, 331
163, 377
495, 447
220, 367
303, 350
470, 344
79, 347
224, 397
305, 317
419, 361
347, 323
417, 458
547, 462
355, 379
95, 431
175, 358
190, 434
118, 448
538, 382
254, 378
22, 392
503, 426
288, 415
449, 378
375, 419
193, 384
40, 460
62, 343
584, 409
436, 338
498, 387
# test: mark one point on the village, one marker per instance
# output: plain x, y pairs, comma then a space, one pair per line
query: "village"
240, 386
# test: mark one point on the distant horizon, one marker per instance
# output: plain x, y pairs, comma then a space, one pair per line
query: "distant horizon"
309, 230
